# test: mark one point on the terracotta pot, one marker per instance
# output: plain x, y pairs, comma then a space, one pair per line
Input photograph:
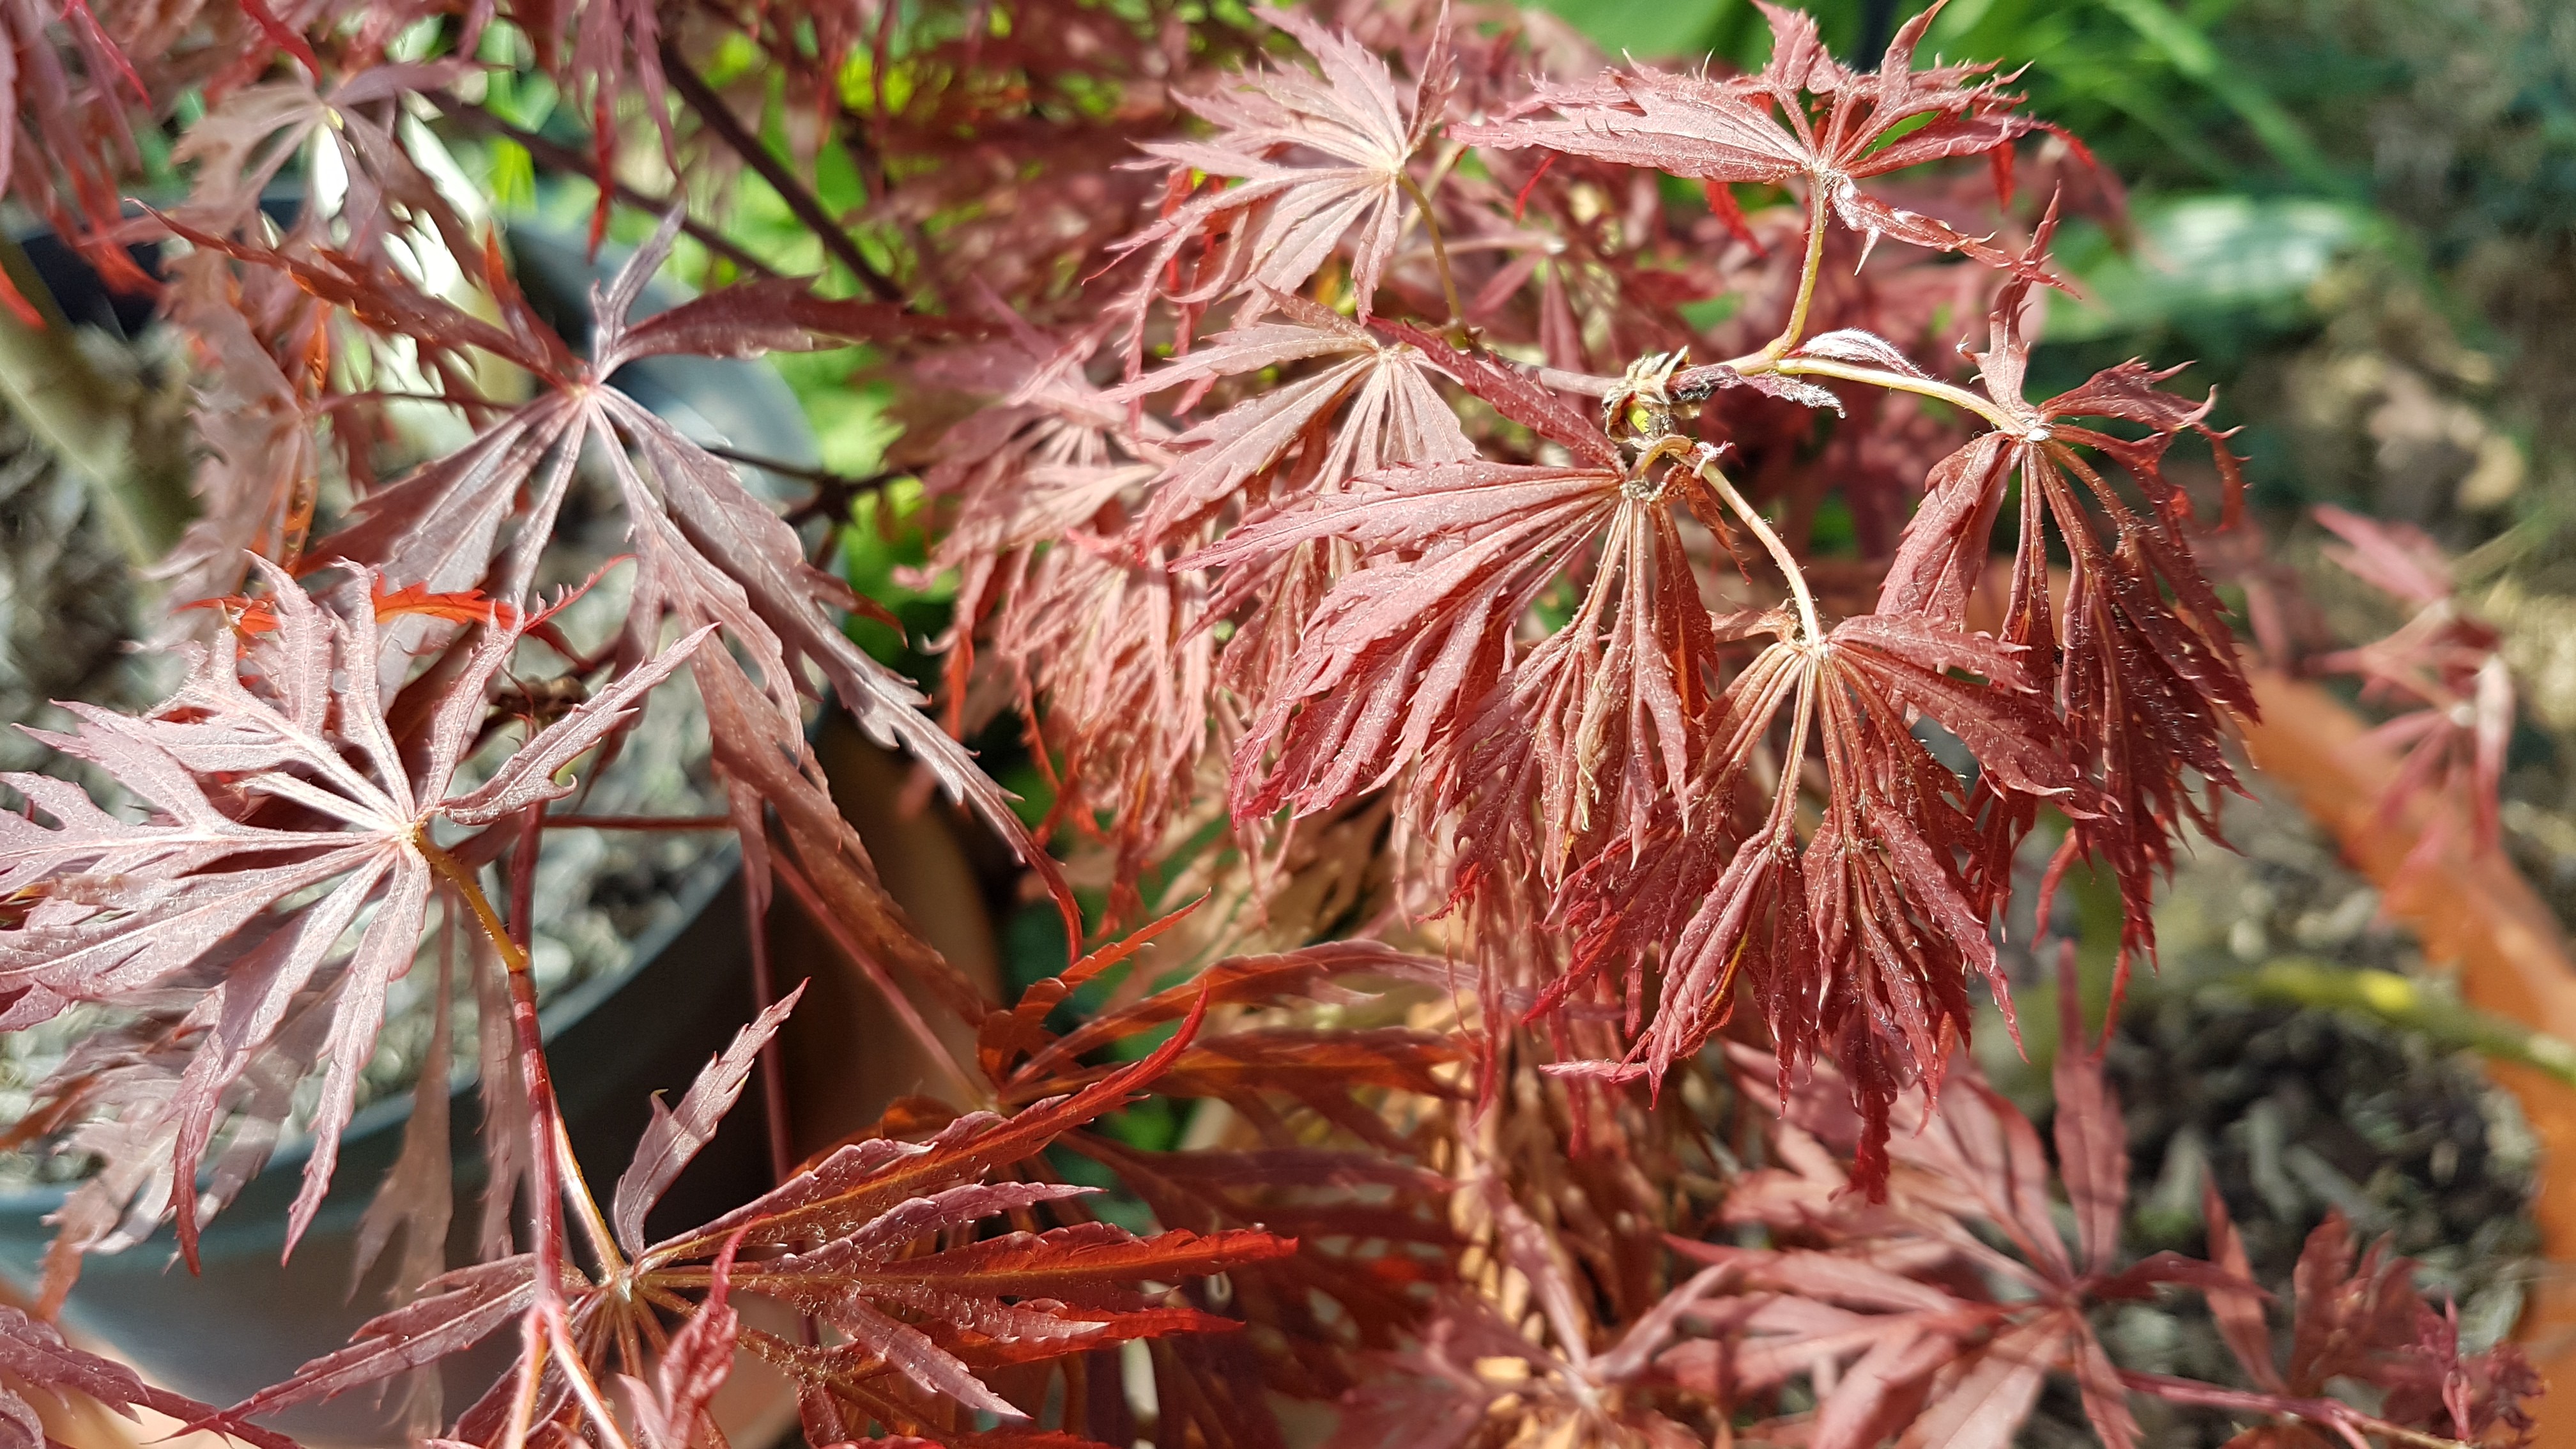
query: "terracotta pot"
2473, 910
845, 1057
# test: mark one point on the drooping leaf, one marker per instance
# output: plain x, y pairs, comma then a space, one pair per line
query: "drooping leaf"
452, 1313
675, 1134
2092, 1140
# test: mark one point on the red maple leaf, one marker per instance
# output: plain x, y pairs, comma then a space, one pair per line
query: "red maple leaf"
270, 775
871, 1240
1802, 116
2444, 662
1316, 161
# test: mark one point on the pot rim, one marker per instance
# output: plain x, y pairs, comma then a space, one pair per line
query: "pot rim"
698, 889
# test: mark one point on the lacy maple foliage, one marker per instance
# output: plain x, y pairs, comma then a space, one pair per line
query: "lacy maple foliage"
1499, 561
2442, 670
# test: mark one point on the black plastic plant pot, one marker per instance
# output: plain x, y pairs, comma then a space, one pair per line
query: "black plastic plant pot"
247, 1320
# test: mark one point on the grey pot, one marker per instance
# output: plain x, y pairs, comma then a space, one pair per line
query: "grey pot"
249, 1320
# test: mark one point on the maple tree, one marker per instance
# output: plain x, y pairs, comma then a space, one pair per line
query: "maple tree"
1450, 704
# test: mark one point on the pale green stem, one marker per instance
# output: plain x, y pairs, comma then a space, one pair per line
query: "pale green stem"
1796, 327
1957, 397
1761, 529
1439, 251
1807, 271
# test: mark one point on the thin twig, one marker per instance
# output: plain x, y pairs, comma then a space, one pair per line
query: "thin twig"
1593, 385
2331, 1412
1716, 478
1439, 252
1814, 263
1957, 397
1773, 356
867, 161
560, 158
834, 491
719, 119
1795, 328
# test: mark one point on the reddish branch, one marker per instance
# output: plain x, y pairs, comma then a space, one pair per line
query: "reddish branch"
718, 118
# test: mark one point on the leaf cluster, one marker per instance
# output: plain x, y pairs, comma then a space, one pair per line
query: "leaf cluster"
1546, 614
